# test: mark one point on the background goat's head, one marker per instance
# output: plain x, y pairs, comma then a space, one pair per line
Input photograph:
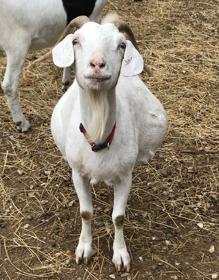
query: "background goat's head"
101, 52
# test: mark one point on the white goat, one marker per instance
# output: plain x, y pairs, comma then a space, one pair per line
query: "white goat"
105, 122
35, 24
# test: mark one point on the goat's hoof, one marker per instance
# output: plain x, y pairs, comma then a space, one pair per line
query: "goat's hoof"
66, 85
121, 260
23, 126
83, 253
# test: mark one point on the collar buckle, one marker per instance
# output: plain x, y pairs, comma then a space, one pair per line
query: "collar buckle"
98, 147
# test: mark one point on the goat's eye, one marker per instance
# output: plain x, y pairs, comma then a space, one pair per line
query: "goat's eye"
122, 45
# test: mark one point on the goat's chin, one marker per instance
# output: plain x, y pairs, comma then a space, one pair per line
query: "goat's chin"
97, 87
93, 85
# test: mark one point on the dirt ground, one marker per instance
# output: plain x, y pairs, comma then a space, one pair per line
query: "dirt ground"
172, 224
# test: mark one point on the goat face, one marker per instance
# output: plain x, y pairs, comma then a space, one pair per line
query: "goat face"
100, 52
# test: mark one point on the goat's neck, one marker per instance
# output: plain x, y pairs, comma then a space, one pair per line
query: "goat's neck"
98, 113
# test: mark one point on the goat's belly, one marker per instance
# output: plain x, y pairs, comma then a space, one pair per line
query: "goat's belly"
48, 36
50, 24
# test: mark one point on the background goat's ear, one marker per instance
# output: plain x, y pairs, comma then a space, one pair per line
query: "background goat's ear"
63, 53
133, 63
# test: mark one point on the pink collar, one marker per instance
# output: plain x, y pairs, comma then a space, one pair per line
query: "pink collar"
97, 147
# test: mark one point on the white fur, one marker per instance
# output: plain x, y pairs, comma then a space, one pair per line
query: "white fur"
100, 107
24, 25
140, 125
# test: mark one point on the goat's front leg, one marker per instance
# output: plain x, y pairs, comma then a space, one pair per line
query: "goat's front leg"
15, 61
66, 78
121, 258
84, 249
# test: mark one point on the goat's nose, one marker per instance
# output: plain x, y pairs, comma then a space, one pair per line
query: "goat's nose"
99, 63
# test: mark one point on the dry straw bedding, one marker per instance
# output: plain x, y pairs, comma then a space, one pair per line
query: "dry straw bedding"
172, 214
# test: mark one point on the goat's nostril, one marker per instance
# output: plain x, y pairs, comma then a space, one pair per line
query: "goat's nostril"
97, 64
93, 65
102, 65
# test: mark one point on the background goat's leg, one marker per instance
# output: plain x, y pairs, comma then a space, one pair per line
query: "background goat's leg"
66, 78
84, 249
120, 254
15, 61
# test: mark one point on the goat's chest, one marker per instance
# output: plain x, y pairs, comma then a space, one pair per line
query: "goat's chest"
107, 165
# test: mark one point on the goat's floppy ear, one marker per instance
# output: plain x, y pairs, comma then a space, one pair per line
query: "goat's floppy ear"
133, 63
63, 53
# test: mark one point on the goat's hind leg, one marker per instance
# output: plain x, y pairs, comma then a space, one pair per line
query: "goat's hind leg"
84, 250
15, 61
121, 258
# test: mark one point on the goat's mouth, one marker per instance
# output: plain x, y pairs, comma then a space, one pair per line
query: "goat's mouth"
98, 78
